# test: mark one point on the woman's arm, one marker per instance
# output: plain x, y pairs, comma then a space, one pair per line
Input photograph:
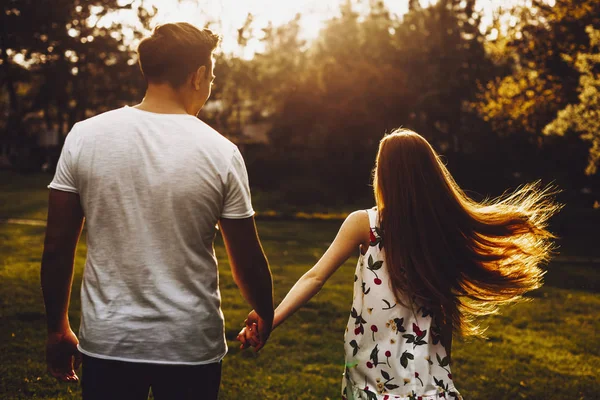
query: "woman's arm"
353, 232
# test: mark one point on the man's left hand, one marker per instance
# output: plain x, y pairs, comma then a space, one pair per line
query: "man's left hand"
62, 356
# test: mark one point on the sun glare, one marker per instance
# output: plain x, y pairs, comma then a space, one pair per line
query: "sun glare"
227, 16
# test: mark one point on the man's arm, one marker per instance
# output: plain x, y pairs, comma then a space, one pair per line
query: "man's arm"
353, 233
250, 270
65, 221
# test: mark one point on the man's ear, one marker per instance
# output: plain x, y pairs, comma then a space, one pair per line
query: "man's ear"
198, 77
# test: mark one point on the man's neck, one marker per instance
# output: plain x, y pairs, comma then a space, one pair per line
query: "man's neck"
162, 99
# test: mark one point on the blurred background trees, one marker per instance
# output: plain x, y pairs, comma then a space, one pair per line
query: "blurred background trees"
58, 66
542, 47
506, 103
583, 117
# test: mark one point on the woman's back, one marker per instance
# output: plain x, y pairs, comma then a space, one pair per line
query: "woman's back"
392, 351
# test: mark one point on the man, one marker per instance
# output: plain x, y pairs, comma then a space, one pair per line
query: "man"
152, 182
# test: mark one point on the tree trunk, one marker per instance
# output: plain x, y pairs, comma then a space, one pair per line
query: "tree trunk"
14, 118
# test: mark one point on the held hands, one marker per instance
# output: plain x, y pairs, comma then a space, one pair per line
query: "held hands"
255, 333
62, 356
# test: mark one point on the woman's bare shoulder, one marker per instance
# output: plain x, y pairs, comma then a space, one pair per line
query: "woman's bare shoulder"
358, 222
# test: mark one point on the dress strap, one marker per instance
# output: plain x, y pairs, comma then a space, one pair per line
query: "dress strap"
373, 217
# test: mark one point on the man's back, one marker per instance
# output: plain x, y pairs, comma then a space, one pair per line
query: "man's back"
152, 181
152, 188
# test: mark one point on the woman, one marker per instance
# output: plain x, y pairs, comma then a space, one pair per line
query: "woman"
431, 261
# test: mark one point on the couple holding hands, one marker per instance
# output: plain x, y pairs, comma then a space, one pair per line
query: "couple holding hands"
152, 182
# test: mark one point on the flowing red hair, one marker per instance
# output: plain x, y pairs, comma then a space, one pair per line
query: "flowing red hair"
460, 258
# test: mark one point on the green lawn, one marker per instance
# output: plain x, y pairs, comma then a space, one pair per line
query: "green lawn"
23, 195
547, 348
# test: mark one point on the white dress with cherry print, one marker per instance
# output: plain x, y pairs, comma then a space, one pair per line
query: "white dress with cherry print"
392, 352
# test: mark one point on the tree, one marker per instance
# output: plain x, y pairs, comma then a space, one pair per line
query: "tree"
442, 51
584, 117
540, 48
63, 63
330, 101
541, 81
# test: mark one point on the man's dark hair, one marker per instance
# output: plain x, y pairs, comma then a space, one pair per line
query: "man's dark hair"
174, 51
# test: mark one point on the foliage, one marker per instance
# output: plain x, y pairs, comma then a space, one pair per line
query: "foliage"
583, 117
330, 101
542, 81
70, 63
326, 103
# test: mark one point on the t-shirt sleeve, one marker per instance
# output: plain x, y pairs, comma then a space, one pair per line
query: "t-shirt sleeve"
237, 203
64, 178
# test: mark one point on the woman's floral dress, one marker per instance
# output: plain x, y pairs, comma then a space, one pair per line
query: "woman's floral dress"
392, 352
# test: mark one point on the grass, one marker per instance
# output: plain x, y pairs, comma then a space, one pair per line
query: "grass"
23, 195
547, 348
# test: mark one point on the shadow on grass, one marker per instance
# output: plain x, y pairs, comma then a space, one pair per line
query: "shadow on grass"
29, 316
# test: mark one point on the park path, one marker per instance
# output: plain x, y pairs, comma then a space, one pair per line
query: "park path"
559, 259
21, 221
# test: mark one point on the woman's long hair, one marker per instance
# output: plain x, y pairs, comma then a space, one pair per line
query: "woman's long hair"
446, 252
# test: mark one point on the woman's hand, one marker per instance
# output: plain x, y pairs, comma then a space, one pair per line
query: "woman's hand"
255, 333
248, 337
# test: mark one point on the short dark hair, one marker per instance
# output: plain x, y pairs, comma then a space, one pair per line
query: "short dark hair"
174, 51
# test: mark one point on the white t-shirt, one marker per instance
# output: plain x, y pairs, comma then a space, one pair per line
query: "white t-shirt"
152, 188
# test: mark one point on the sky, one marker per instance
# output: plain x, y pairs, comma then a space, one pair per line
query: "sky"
231, 14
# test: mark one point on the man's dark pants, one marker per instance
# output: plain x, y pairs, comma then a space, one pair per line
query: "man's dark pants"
110, 379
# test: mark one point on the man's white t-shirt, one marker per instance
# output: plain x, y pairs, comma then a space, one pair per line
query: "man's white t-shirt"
152, 188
